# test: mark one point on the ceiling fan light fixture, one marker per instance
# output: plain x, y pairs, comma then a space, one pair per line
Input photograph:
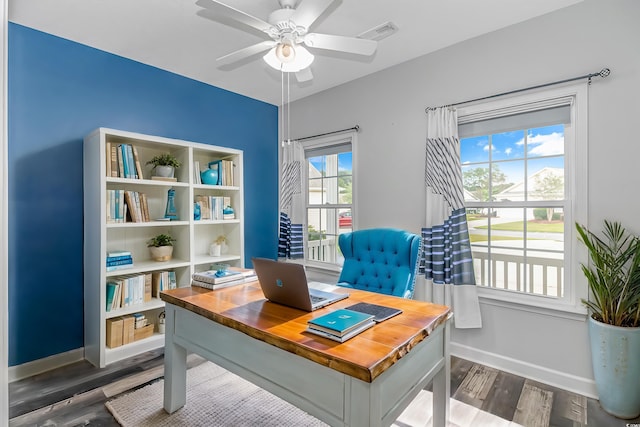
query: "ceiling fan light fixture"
303, 58
285, 53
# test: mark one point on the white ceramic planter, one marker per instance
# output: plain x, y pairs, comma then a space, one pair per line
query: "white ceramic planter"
161, 253
165, 171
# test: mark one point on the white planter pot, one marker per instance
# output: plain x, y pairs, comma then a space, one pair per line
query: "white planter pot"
161, 253
215, 249
165, 171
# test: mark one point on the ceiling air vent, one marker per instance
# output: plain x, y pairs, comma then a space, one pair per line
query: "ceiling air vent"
380, 32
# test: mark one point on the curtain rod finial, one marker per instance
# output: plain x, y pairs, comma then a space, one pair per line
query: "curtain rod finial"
604, 72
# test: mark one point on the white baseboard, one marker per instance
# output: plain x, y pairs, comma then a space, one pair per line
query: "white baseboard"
35, 367
575, 384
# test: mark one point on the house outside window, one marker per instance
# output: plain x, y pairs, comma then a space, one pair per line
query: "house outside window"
524, 174
329, 180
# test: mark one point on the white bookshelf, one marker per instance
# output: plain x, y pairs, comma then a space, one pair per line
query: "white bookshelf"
193, 237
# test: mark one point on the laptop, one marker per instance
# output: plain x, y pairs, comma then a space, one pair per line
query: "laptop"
286, 283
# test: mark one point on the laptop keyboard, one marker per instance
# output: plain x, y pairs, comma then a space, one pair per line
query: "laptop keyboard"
315, 299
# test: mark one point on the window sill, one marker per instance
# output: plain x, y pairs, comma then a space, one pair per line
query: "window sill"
533, 304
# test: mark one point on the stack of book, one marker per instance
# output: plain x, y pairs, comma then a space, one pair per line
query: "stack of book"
124, 161
341, 324
128, 290
162, 281
118, 260
218, 279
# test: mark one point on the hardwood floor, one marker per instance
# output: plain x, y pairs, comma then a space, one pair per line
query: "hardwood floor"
75, 395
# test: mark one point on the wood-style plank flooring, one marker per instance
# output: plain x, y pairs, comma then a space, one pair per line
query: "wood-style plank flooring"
75, 395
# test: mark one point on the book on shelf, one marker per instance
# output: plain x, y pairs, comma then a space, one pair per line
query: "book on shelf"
118, 253
111, 292
119, 267
162, 281
197, 179
341, 322
129, 290
128, 325
136, 161
122, 261
342, 338
133, 174
118, 257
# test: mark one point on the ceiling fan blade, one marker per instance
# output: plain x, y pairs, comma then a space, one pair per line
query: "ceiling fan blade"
246, 52
222, 10
310, 10
304, 75
341, 43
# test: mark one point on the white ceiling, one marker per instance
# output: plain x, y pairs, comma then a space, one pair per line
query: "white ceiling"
168, 34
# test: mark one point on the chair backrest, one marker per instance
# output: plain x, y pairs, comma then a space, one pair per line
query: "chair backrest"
383, 260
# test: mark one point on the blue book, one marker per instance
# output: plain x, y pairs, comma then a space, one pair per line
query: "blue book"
340, 322
131, 164
111, 258
111, 291
125, 162
126, 261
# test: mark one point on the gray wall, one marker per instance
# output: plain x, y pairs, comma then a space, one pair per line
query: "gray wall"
389, 107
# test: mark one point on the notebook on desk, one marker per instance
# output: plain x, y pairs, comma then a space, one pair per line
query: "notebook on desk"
286, 283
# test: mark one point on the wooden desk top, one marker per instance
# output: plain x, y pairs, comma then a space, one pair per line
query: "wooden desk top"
365, 356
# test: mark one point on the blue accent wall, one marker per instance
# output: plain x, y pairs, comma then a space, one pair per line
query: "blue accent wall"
59, 91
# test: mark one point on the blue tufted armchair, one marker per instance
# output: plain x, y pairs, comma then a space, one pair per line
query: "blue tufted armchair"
383, 260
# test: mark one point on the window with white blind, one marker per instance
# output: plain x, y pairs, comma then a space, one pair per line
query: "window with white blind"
524, 174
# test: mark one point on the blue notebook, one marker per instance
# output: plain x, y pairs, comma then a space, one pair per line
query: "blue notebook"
341, 321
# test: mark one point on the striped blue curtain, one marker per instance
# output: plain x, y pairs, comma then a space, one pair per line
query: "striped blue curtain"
446, 251
291, 237
446, 260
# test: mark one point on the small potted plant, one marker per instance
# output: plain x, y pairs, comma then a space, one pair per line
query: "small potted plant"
164, 164
161, 247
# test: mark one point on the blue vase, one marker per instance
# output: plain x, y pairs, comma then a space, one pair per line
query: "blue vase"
615, 354
210, 176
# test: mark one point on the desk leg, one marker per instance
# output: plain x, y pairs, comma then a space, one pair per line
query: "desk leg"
175, 366
442, 386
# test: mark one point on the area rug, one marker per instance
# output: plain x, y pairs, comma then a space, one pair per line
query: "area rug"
218, 398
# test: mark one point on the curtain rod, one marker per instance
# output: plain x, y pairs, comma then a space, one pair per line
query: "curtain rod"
356, 128
602, 73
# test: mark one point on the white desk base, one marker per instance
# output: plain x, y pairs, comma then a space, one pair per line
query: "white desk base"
331, 396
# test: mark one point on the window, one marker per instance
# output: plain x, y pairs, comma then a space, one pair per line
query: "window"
522, 162
329, 197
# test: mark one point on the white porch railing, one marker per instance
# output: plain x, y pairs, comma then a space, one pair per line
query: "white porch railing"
322, 250
541, 276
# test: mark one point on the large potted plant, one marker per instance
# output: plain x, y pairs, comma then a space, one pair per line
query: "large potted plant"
161, 247
164, 164
614, 322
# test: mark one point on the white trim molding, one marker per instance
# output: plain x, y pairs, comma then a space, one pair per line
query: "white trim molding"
45, 364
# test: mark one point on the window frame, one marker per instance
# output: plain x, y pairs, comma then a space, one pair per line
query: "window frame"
576, 181
349, 137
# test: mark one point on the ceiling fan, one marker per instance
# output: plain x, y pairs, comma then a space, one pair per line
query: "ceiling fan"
287, 31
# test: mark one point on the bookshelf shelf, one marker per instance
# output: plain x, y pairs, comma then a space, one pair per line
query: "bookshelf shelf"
119, 353
151, 305
106, 229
